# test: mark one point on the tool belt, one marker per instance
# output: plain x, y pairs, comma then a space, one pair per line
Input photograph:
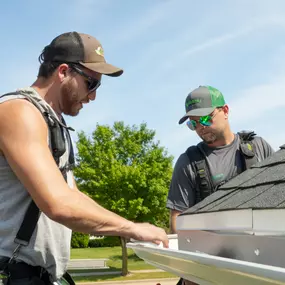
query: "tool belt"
21, 273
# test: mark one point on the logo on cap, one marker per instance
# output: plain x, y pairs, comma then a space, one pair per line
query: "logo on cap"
99, 51
192, 102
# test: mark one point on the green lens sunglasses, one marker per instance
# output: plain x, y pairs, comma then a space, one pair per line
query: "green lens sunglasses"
205, 121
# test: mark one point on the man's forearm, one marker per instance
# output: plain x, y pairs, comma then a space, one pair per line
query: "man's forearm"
172, 226
82, 214
173, 217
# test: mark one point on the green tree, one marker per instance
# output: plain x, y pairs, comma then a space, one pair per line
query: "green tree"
126, 171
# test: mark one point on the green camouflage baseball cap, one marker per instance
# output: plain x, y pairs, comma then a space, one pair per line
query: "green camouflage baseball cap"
202, 101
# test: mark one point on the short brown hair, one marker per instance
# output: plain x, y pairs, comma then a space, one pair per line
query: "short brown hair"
47, 68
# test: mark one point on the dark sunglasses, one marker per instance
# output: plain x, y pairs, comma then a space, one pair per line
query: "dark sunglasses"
92, 83
205, 121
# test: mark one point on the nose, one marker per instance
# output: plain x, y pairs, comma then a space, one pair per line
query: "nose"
92, 96
200, 129
199, 126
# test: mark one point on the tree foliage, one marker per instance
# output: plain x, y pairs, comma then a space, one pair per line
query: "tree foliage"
126, 171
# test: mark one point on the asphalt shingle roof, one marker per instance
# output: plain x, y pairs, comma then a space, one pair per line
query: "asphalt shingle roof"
260, 187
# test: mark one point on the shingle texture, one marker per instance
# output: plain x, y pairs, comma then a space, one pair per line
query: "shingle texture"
260, 187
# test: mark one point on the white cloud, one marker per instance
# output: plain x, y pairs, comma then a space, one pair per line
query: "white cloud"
261, 100
256, 101
138, 25
223, 40
261, 108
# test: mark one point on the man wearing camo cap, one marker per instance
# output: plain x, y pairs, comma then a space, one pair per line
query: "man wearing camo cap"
200, 170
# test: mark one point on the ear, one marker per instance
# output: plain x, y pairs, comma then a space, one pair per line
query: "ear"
226, 111
62, 71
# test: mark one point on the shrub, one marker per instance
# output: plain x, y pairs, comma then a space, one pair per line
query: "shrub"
79, 240
105, 242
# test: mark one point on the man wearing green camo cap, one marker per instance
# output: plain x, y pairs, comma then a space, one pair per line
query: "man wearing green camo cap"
204, 106
202, 102
220, 156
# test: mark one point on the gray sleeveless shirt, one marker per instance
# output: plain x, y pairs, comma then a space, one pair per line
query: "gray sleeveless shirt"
50, 244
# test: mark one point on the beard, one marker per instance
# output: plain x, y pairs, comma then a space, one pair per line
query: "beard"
211, 137
70, 103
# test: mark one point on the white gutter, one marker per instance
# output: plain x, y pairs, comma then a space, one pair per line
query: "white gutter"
206, 269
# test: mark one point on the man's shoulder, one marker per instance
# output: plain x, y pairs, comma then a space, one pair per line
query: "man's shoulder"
8, 96
246, 135
190, 155
261, 142
249, 137
182, 160
15, 92
261, 147
15, 114
258, 141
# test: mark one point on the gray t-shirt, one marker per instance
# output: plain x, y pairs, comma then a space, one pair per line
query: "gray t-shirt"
224, 163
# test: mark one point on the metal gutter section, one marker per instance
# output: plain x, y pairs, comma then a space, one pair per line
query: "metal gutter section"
256, 220
246, 235
240, 246
236, 220
207, 269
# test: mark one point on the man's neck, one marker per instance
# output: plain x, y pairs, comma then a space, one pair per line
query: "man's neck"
46, 90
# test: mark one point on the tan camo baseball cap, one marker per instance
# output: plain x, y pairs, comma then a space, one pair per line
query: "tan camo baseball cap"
73, 47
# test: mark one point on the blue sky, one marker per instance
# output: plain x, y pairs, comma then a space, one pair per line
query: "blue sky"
166, 48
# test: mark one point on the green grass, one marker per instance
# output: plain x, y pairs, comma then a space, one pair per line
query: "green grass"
96, 252
114, 254
137, 276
